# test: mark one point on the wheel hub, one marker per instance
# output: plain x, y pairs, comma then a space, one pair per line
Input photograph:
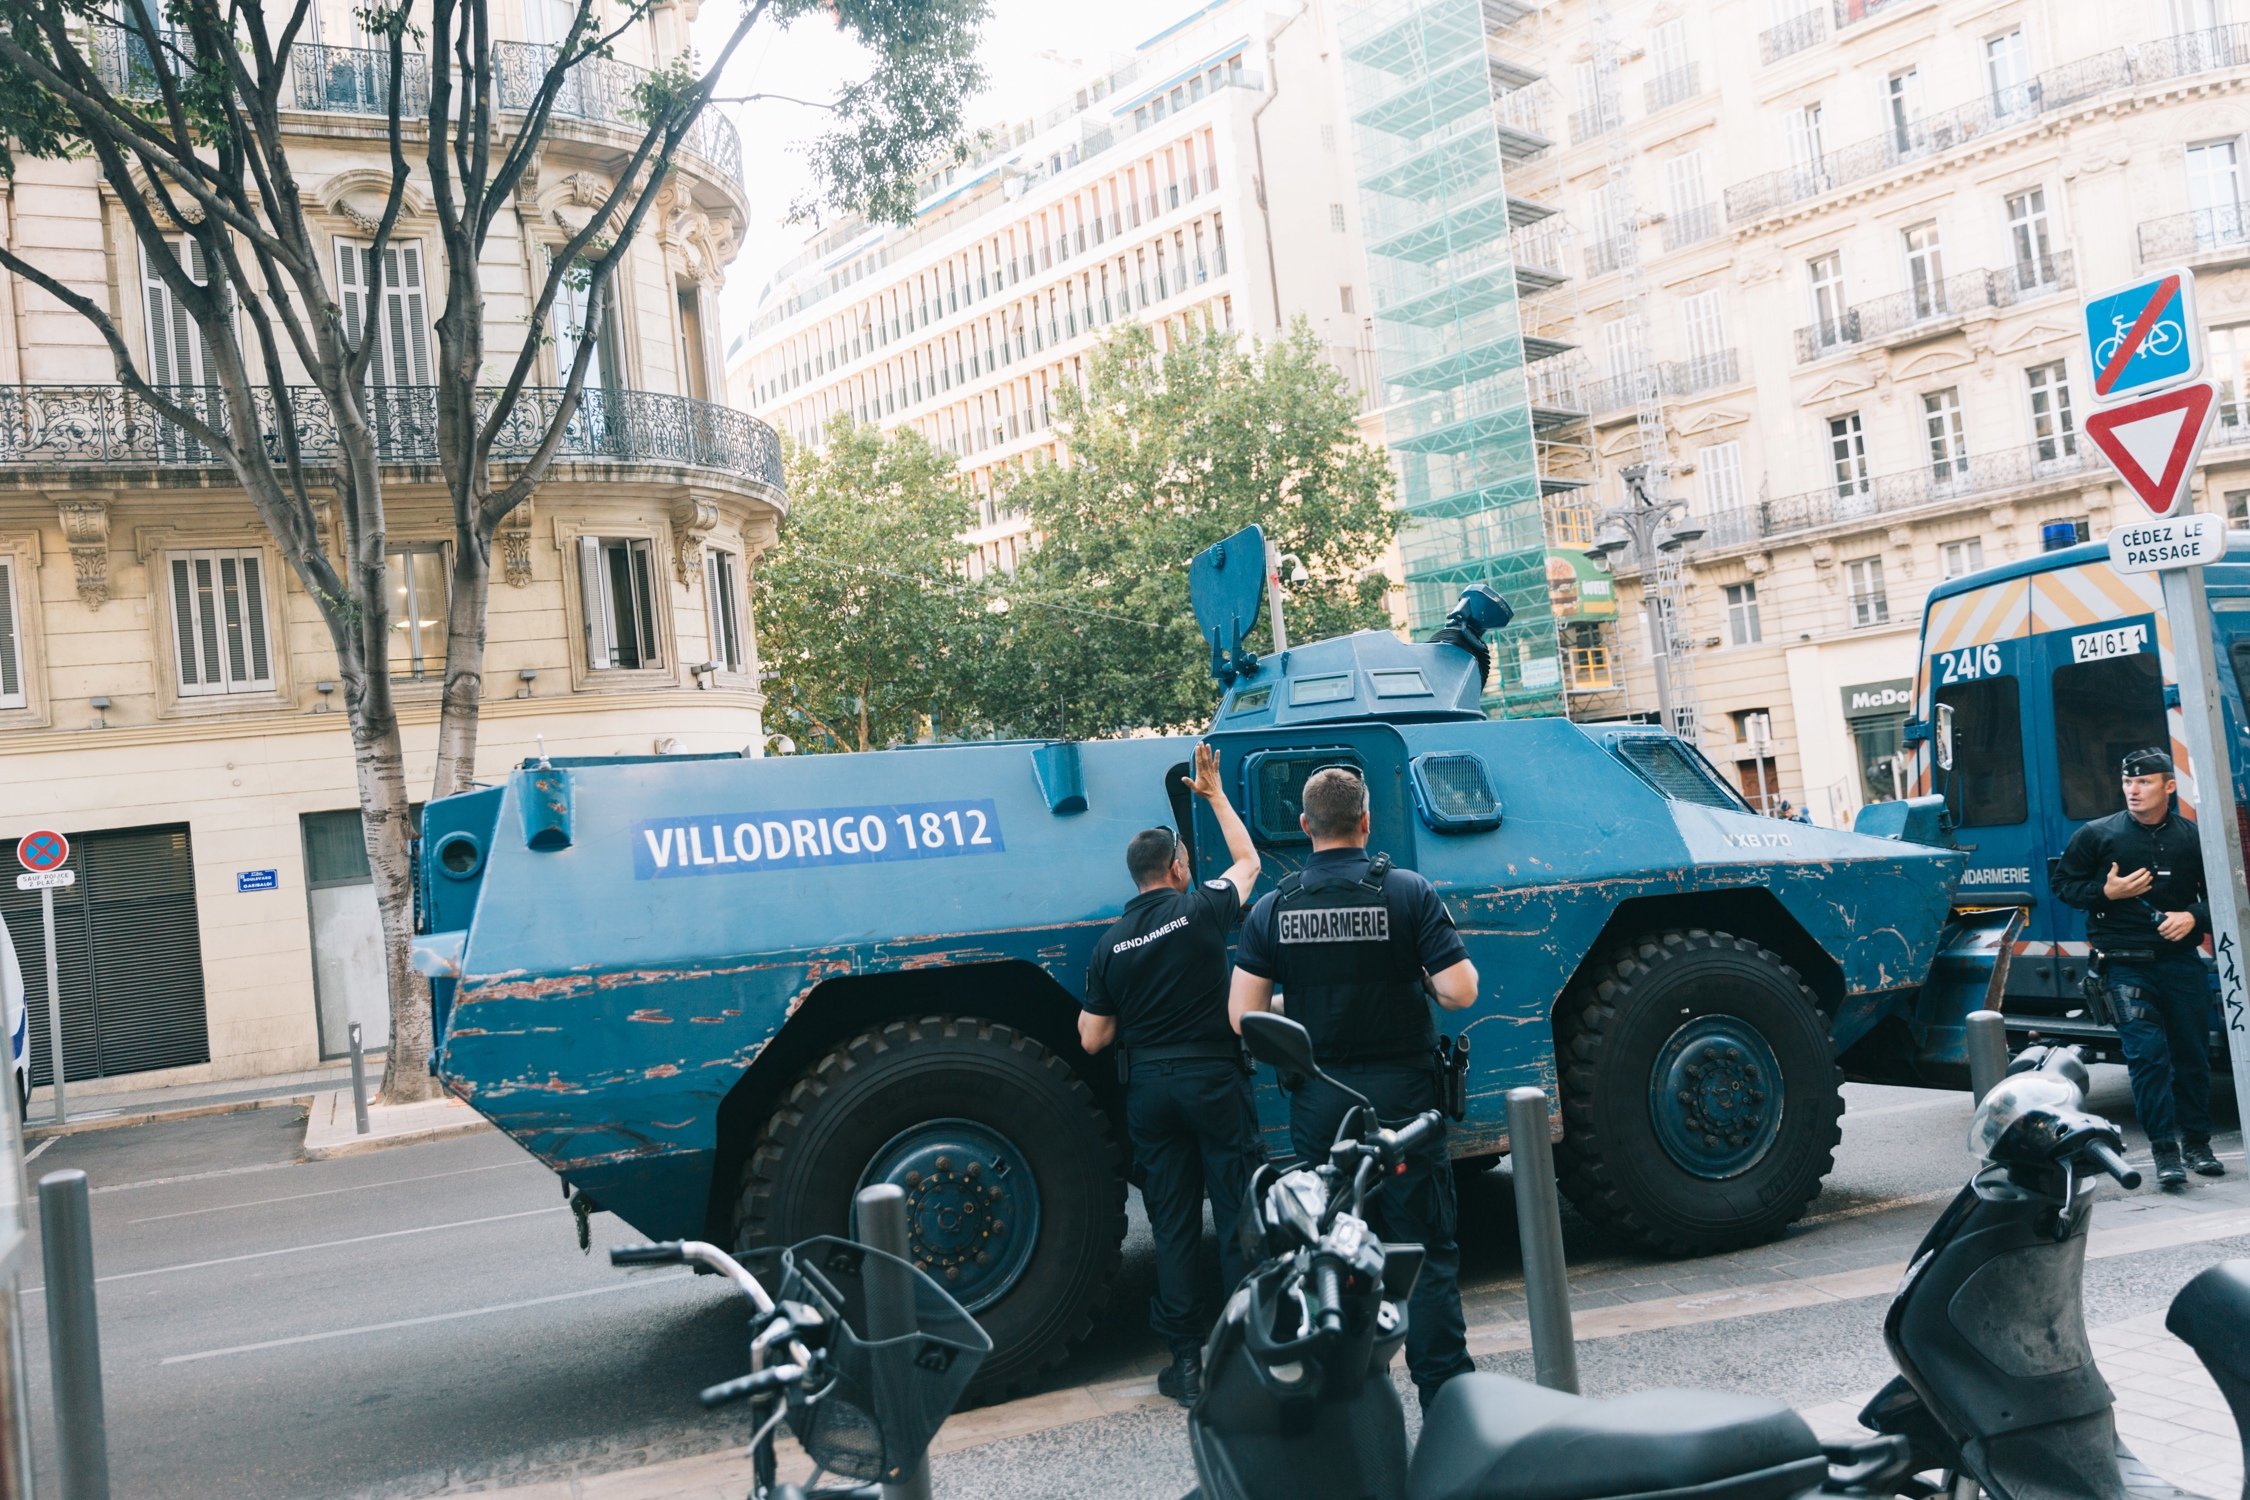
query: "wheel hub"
1715, 1096
972, 1209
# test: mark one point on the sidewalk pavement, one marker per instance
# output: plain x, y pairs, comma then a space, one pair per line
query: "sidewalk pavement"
2168, 1410
332, 1126
108, 1104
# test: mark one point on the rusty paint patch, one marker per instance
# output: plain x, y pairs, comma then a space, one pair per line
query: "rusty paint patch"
656, 1016
662, 1070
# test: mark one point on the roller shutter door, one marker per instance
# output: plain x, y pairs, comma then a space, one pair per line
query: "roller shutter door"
126, 945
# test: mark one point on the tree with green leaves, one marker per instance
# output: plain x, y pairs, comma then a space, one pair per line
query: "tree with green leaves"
867, 623
1170, 451
180, 105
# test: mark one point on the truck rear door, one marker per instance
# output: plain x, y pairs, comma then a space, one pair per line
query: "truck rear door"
1995, 718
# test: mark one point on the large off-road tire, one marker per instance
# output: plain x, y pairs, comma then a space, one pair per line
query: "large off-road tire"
1677, 1133
1014, 1181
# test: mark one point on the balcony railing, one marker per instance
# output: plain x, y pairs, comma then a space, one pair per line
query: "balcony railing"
1690, 225
1805, 29
1592, 121
2072, 84
1608, 252
1934, 306
1669, 88
357, 81
76, 426
1955, 478
2204, 231
1672, 377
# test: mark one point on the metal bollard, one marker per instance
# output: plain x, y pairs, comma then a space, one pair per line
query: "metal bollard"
74, 1343
1546, 1283
890, 1301
359, 1082
1988, 1052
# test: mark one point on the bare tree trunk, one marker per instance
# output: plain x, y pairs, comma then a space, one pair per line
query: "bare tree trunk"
465, 639
387, 815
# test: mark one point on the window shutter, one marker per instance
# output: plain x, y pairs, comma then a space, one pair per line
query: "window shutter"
351, 283
407, 287
601, 632
11, 662
260, 661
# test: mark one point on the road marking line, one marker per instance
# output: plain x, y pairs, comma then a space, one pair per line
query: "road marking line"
631, 1284
323, 1192
42, 1146
357, 1239
1900, 1109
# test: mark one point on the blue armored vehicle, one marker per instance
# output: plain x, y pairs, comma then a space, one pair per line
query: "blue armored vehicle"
718, 995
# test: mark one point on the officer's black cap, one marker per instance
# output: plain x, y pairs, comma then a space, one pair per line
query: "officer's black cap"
2150, 762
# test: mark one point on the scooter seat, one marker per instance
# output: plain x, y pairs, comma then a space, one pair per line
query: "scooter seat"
1490, 1437
2209, 1315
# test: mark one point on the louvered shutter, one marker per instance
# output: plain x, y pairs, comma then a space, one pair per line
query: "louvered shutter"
351, 286
402, 287
601, 628
219, 622
11, 653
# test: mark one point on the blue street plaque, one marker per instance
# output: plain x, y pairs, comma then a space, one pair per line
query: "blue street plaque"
257, 880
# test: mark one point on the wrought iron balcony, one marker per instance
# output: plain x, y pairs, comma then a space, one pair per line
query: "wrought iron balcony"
1610, 252
1805, 29
1592, 121
1690, 225
2205, 231
1668, 378
1669, 88
80, 426
1967, 476
2120, 69
1928, 310
357, 81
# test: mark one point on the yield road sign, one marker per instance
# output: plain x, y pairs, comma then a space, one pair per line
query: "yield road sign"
2184, 541
2152, 442
42, 850
2143, 337
46, 880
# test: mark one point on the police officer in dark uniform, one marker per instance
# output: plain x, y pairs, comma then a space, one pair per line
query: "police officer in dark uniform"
2138, 876
1157, 986
1350, 942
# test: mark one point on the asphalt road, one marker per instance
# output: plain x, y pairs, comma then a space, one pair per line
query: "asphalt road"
421, 1320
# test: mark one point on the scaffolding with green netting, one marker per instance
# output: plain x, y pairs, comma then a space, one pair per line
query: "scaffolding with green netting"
1426, 84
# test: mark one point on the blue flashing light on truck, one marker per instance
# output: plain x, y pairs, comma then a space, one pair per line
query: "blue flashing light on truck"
718, 995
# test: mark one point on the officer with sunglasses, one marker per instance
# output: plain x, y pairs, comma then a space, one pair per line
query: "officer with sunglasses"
1157, 987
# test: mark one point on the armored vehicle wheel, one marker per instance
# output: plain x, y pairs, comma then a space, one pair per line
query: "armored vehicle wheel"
1700, 1093
1015, 1197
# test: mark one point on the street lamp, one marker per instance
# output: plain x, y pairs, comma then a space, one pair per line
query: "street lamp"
1298, 574
1647, 526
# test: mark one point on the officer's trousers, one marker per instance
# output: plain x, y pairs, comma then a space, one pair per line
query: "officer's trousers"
1416, 1207
2164, 1023
1193, 1130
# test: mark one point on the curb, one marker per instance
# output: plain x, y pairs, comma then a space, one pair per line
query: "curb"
360, 1145
38, 1132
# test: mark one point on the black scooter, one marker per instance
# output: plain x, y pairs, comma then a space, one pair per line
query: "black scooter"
1298, 1402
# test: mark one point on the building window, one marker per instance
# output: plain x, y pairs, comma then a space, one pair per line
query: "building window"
219, 620
1743, 627
1960, 559
1902, 100
2238, 508
1336, 217
12, 693
1826, 275
722, 609
1847, 455
1949, 446
2214, 182
1722, 476
1925, 269
2007, 66
2028, 236
617, 579
414, 577
2054, 434
1344, 296
1704, 321
1807, 154
1863, 581
401, 324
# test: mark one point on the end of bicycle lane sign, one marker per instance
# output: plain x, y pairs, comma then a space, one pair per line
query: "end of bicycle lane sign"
2143, 337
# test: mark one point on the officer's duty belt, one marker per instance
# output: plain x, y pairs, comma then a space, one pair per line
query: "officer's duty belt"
1227, 1051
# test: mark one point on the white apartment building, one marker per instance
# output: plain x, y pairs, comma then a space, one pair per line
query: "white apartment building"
1841, 246
1204, 180
167, 689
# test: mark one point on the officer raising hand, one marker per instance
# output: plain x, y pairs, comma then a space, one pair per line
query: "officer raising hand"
1349, 941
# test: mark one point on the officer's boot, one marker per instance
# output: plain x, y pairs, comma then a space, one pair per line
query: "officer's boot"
2200, 1161
1182, 1379
2171, 1172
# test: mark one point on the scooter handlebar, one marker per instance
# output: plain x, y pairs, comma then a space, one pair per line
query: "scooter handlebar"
756, 1383
1412, 1134
1327, 1299
2109, 1161
664, 1253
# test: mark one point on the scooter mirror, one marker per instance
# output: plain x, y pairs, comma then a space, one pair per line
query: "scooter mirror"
1279, 1041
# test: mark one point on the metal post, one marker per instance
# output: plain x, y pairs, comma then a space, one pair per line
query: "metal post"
54, 1003
1273, 596
1988, 1052
890, 1301
1660, 638
1546, 1283
359, 1082
74, 1347
2188, 607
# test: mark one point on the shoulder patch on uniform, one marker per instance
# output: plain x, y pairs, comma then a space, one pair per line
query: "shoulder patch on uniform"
1217, 885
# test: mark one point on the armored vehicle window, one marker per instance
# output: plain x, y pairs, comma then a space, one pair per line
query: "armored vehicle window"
1400, 684
1277, 791
1320, 689
1253, 700
1986, 785
1676, 771
2103, 711
1456, 795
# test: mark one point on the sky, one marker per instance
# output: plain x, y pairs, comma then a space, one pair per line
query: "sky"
1035, 52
